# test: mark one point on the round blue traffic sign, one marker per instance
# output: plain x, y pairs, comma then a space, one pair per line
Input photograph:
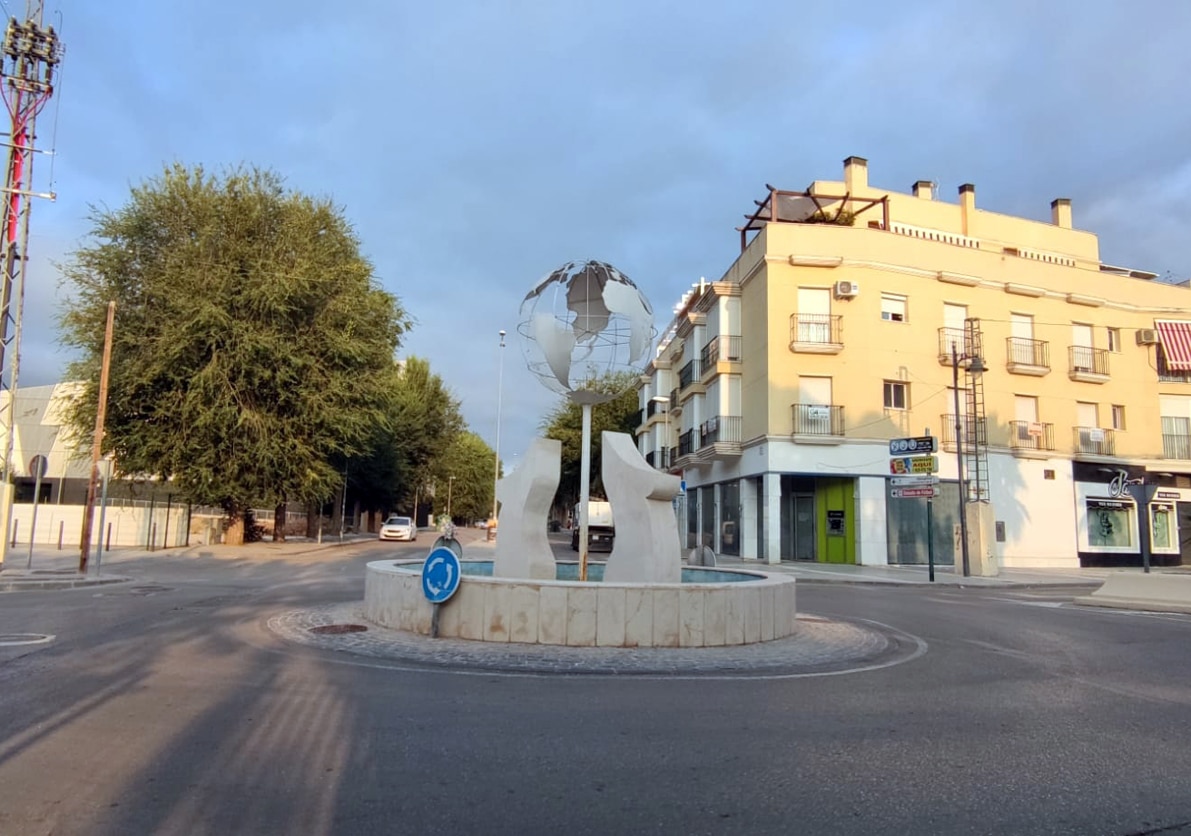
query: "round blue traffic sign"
440, 575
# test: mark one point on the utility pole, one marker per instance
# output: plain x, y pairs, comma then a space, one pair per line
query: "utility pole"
97, 440
28, 57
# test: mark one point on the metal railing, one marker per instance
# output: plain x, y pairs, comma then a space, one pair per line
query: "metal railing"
651, 408
674, 398
817, 419
723, 347
1088, 360
947, 423
1031, 435
1022, 351
815, 329
1176, 446
689, 373
720, 428
1096, 441
950, 338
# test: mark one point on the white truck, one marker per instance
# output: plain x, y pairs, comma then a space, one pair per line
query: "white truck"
600, 530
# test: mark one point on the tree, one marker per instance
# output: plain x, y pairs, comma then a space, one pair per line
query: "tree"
565, 423
470, 460
252, 346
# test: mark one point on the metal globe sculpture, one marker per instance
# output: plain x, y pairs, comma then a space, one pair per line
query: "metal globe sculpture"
582, 322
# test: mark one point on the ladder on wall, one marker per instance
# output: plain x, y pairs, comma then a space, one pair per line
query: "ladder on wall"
975, 440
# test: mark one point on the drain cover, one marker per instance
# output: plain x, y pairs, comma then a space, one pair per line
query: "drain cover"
17, 639
337, 629
147, 589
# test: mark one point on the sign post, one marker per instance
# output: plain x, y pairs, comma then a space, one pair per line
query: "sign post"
440, 580
913, 466
38, 466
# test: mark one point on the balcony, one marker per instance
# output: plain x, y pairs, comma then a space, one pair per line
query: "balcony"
674, 405
815, 334
1168, 375
658, 458
1087, 364
1176, 446
947, 436
638, 417
1094, 441
950, 338
719, 437
686, 443
1031, 439
1026, 356
688, 374
651, 408
817, 423
726, 348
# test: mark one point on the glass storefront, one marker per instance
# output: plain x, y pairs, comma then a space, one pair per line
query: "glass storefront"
730, 533
1110, 523
905, 524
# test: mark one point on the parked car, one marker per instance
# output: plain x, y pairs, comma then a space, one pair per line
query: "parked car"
399, 528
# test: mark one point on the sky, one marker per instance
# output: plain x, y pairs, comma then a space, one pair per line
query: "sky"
476, 146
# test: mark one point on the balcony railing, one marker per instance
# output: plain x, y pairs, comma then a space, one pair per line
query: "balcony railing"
637, 417
1031, 435
1168, 375
719, 348
815, 332
674, 399
818, 419
725, 428
651, 408
649, 459
1095, 441
673, 454
1022, 351
1176, 446
947, 422
951, 338
688, 374
686, 443
1087, 362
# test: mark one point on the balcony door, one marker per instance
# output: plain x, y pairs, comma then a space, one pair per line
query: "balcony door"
814, 315
954, 317
1029, 431
1021, 329
815, 393
1081, 352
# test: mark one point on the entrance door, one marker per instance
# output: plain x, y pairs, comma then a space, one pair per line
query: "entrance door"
1183, 512
804, 528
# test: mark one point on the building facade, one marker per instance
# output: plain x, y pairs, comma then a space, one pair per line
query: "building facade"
855, 315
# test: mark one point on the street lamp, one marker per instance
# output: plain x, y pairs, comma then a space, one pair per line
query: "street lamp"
662, 399
499, 387
450, 485
975, 368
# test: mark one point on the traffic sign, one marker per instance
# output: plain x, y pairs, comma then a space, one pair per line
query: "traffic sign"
925, 492
916, 464
918, 446
440, 575
913, 481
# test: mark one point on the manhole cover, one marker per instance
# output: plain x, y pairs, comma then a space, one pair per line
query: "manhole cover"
147, 589
17, 639
337, 629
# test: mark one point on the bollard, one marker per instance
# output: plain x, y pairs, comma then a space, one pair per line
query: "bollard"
152, 536
61, 530
15, 523
108, 545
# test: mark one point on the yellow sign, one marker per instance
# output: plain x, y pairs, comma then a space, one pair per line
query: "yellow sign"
914, 464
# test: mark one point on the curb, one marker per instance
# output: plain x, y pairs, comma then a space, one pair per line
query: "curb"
63, 583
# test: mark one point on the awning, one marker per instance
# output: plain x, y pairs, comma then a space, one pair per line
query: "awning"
1176, 343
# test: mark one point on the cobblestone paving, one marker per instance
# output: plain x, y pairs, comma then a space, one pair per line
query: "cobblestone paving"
820, 646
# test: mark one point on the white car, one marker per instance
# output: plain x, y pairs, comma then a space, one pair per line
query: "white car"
399, 528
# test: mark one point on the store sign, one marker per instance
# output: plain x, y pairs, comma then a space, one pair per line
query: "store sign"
835, 524
1119, 486
914, 464
1169, 495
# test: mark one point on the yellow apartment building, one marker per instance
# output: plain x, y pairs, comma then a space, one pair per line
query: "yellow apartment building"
854, 315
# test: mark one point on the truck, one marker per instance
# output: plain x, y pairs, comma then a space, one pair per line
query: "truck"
600, 530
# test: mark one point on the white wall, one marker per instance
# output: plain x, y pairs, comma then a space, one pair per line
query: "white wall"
1039, 513
872, 533
129, 526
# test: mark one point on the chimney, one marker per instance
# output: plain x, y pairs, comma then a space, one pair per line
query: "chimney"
967, 206
855, 174
924, 189
1060, 212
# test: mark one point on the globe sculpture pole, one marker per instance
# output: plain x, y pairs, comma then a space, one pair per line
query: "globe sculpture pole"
581, 326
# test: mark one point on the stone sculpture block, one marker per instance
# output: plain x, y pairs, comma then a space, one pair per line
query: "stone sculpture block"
525, 495
647, 548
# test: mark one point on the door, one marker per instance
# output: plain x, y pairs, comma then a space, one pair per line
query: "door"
1025, 409
1021, 343
804, 527
814, 315
1081, 347
1087, 421
1183, 514
953, 321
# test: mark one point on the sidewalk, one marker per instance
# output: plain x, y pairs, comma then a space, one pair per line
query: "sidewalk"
809, 572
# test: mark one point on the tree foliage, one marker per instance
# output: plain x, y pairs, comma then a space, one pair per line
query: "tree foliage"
565, 423
471, 461
253, 349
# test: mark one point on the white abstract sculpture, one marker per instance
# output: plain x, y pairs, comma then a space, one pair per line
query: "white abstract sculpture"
646, 548
522, 550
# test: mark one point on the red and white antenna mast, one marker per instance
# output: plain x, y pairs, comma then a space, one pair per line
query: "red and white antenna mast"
29, 56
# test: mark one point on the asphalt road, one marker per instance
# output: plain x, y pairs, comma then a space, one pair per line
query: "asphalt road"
166, 707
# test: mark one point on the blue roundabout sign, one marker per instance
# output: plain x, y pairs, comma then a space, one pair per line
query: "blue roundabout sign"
440, 575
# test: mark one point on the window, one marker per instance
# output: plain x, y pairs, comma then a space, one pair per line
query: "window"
1114, 339
1118, 417
897, 395
1162, 526
893, 307
1110, 523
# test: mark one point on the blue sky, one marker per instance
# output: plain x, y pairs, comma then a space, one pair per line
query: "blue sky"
477, 145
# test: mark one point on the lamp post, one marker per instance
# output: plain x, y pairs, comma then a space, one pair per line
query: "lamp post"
975, 367
662, 399
499, 387
450, 485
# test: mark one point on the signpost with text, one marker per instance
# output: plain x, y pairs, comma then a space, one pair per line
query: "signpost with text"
912, 466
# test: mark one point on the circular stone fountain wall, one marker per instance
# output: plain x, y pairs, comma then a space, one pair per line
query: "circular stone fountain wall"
711, 608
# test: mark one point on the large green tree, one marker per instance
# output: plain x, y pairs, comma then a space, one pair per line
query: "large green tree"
470, 461
565, 422
253, 348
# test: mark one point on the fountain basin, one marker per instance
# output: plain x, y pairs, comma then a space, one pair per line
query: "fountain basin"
711, 608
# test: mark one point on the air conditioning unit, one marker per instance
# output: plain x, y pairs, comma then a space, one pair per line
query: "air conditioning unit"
1147, 336
846, 290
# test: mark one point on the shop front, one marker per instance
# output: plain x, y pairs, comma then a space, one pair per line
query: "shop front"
1108, 523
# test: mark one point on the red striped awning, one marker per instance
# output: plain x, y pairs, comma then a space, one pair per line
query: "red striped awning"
1176, 343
